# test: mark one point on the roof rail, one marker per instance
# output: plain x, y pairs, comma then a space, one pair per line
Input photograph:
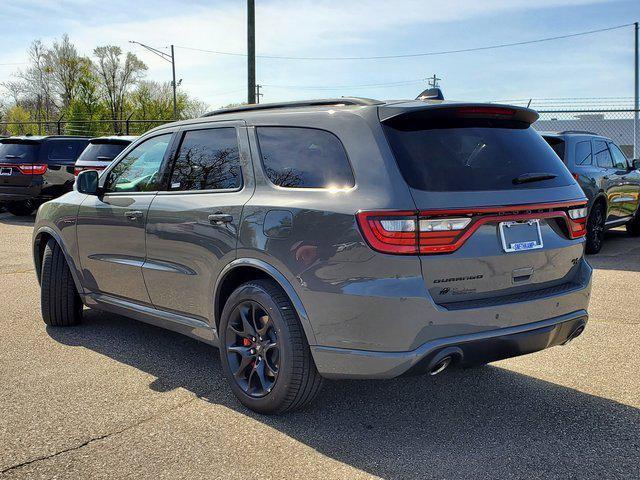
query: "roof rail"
584, 132
299, 103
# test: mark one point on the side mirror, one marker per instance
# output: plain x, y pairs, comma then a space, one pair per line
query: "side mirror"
87, 182
636, 163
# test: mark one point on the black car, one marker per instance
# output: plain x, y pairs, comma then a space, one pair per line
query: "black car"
101, 151
610, 181
34, 169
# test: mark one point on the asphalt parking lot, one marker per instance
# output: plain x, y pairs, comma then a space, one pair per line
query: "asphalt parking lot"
114, 398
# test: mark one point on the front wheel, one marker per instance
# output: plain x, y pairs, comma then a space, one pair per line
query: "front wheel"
595, 229
263, 350
59, 300
633, 226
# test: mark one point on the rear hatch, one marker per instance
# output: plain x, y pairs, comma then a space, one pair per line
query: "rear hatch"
100, 153
500, 218
19, 162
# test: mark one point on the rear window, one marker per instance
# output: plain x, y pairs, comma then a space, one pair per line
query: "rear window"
103, 152
304, 158
472, 156
64, 151
18, 152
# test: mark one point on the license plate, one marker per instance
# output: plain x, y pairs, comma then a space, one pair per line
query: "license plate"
520, 236
6, 171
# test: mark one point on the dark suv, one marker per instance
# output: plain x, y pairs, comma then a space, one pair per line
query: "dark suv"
34, 169
610, 181
344, 238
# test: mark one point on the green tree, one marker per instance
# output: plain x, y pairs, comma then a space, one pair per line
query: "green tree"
117, 76
19, 114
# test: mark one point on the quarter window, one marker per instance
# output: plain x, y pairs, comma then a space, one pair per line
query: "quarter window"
208, 160
583, 153
619, 160
304, 158
139, 170
602, 154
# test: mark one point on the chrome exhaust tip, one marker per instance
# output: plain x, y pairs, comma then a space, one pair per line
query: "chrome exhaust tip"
440, 366
575, 334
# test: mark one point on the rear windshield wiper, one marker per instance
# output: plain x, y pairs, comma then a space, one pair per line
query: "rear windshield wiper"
103, 158
13, 156
533, 177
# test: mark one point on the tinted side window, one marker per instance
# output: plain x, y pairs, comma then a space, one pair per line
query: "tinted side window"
619, 160
63, 151
583, 153
602, 154
304, 158
139, 170
207, 160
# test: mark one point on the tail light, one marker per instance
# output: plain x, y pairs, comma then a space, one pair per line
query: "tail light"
77, 170
439, 231
578, 222
32, 169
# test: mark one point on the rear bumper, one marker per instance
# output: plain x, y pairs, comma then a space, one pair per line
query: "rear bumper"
18, 194
470, 349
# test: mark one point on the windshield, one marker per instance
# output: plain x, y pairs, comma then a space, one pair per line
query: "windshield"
104, 152
471, 158
18, 152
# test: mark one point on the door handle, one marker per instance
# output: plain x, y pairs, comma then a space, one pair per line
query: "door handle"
220, 218
133, 214
606, 177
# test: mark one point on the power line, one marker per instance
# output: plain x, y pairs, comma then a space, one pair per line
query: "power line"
412, 55
337, 87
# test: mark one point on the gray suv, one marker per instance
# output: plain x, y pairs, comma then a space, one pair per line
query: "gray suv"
340, 238
610, 181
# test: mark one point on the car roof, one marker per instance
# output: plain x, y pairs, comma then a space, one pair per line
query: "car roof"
114, 139
388, 109
573, 133
40, 138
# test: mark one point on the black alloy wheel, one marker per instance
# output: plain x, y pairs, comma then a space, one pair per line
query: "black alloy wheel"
252, 348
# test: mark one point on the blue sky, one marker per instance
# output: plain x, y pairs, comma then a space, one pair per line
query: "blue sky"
599, 65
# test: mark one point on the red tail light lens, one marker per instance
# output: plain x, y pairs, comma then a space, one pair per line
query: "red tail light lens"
77, 170
32, 169
390, 232
578, 221
439, 231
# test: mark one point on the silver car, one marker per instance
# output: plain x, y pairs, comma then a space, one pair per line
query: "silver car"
339, 238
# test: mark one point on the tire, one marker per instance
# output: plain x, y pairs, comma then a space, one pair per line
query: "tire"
22, 209
633, 226
59, 300
289, 378
595, 229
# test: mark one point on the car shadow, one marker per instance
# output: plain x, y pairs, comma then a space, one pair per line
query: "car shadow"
482, 423
7, 218
619, 252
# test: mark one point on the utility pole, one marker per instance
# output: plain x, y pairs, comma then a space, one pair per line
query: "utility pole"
173, 84
172, 60
251, 52
258, 94
636, 100
433, 81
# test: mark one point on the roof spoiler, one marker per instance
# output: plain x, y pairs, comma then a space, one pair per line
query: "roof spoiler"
398, 112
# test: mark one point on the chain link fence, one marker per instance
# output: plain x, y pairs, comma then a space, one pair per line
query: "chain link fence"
620, 125
89, 128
